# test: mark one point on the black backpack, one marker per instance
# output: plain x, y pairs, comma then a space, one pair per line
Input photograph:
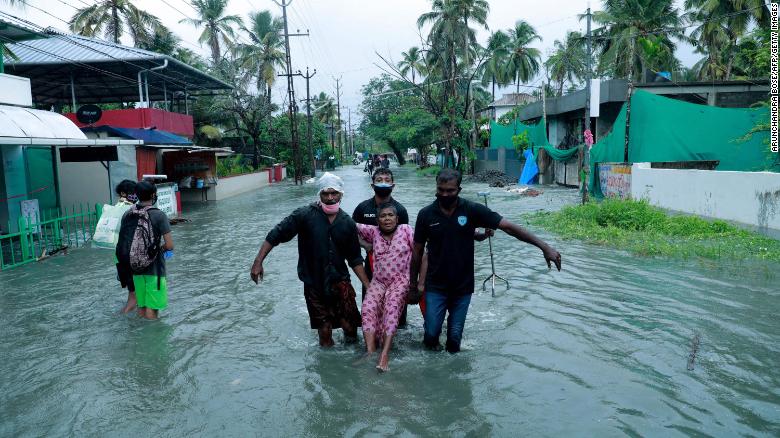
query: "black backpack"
132, 230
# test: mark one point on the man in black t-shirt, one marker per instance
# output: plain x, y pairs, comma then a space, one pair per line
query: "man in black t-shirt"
447, 226
366, 213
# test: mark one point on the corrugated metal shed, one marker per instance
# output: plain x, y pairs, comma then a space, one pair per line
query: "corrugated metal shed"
101, 71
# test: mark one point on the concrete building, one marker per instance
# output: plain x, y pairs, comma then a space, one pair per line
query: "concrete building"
566, 114
501, 106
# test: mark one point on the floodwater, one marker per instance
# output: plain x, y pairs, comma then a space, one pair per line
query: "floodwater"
599, 349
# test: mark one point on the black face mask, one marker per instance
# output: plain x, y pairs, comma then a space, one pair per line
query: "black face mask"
447, 201
383, 190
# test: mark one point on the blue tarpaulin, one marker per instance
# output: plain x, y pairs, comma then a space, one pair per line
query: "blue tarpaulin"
530, 170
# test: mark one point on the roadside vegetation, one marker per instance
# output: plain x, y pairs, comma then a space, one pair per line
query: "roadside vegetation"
428, 171
642, 229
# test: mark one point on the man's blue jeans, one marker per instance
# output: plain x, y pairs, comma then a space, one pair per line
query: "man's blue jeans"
437, 304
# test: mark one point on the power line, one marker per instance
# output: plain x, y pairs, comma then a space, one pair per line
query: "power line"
72, 40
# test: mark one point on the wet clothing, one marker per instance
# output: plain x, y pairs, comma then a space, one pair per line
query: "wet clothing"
450, 243
323, 247
385, 163
386, 296
437, 304
123, 273
151, 291
125, 276
366, 213
149, 285
332, 309
160, 226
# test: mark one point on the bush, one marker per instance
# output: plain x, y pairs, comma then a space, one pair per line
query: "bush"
233, 165
646, 230
428, 171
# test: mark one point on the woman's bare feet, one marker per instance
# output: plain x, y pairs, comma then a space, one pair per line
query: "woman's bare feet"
384, 360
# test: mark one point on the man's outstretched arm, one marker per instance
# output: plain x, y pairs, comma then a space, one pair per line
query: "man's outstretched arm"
520, 233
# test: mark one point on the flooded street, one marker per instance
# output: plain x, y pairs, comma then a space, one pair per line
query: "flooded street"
599, 349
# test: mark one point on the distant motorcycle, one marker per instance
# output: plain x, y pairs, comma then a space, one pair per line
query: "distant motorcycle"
355, 161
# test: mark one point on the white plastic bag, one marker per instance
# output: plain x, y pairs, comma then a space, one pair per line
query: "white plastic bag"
107, 228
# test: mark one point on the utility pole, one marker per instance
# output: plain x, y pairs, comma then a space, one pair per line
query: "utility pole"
586, 152
308, 76
349, 132
338, 115
293, 107
628, 96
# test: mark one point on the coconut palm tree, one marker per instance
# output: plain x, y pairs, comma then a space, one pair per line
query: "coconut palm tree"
110, 18
412, 62
524, 61
218, 28
494, 68
568, 61
266, 49
644, 28
720, 25
451, 38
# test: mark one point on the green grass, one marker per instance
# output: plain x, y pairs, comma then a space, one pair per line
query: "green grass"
428, 171
643, 229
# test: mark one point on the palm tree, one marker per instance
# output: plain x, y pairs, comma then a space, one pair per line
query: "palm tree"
568, 61
412, 62
266, 49
494, 67
451, 38
524, 60
162, 41
218, 28
720, 25
637, 34
325, 111
111, 17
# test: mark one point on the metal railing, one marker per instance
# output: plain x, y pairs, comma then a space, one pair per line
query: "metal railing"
52, 231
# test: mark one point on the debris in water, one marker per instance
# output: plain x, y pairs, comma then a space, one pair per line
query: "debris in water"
694, 349
494, 178
525, 191
235, 382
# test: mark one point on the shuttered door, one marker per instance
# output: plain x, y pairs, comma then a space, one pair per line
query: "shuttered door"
146, 161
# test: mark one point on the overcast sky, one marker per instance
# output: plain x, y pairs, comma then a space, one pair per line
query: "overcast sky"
347, 34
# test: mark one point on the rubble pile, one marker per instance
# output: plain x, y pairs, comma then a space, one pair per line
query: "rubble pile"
494, 178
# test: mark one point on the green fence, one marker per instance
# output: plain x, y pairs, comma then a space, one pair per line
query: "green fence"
49, 233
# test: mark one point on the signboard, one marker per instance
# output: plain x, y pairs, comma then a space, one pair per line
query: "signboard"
615, 179
88, 154
595, 97
166, 199
89, 114
31, 211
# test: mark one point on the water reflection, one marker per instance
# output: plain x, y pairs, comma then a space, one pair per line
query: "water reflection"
424, 394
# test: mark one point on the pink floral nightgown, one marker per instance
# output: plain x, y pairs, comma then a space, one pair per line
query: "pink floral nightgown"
386, 295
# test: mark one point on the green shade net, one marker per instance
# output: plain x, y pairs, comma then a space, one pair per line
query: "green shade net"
664, 129
501, 138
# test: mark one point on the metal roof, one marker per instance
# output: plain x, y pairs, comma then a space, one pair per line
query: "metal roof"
13, 32
101, 71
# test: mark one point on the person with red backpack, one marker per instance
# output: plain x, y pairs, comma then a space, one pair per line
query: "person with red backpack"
144, 243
